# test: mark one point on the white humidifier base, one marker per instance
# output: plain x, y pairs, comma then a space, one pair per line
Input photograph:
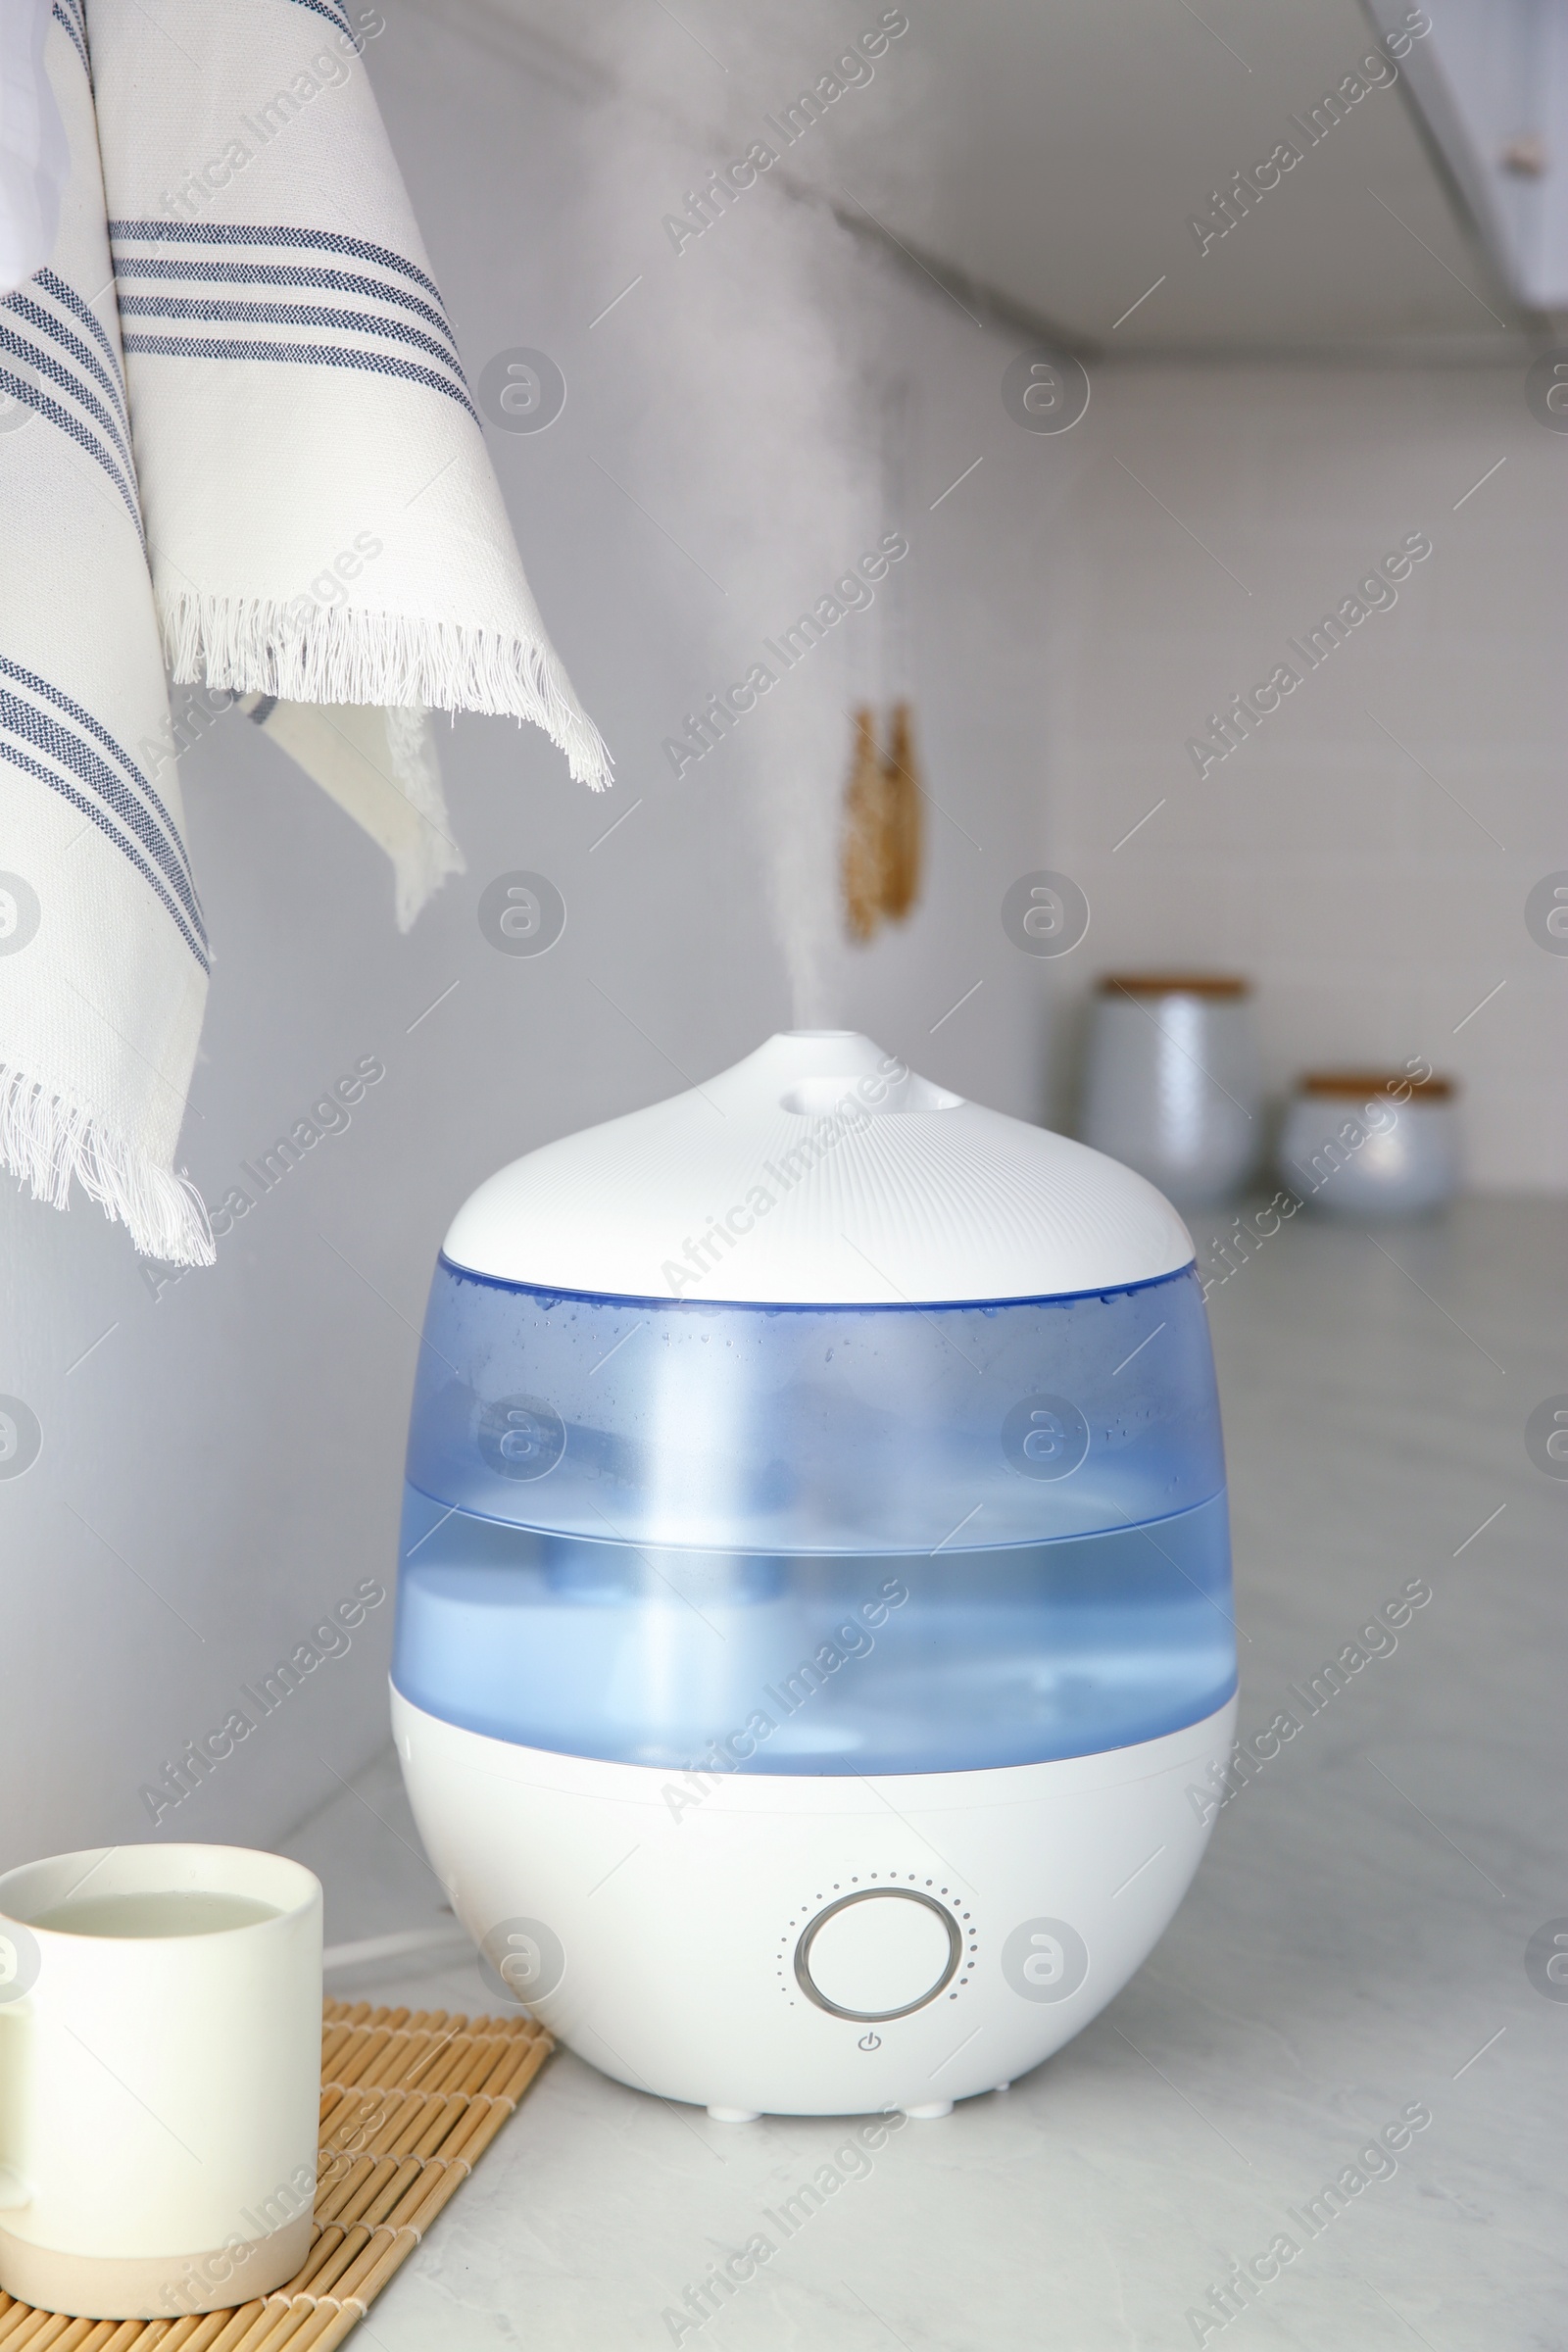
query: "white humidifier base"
810, 1945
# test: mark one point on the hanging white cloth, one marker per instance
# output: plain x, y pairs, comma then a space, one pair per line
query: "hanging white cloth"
299, 402
103, 950
381, 767
243, 444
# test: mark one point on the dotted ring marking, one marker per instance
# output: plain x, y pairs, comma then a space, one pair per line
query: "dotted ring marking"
962, 1935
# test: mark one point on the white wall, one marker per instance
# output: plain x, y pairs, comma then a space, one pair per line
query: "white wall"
1376, 893
224, 1465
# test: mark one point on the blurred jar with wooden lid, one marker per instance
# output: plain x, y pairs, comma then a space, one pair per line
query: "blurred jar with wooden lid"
1370, 1142
1171, 1083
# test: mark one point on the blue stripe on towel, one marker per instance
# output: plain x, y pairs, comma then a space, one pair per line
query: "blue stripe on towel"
64, 14
22, 306
100, 816
69, 300
73, 710
283, 314
323, 8
306, 355
279, 274
22, 717
44, 362
232, 232
32, 396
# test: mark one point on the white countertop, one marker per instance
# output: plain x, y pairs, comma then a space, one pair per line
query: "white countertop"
1355, 1944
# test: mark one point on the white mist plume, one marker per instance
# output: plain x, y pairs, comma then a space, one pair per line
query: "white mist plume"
757, 442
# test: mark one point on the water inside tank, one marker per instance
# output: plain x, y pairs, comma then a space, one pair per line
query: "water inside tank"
816, 1539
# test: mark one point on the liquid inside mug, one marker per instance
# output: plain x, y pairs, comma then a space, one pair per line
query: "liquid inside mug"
159, 2078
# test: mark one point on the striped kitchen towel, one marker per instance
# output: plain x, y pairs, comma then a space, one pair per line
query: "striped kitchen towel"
236, 440
103, 953
301, 410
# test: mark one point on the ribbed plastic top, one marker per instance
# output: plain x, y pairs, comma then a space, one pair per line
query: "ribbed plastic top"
818, 1171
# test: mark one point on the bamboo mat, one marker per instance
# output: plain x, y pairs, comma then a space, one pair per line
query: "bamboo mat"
410, 2102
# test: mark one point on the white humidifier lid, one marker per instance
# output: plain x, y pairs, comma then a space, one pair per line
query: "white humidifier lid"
819, 1170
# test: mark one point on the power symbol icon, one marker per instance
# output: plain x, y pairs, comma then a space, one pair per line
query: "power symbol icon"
869, 2041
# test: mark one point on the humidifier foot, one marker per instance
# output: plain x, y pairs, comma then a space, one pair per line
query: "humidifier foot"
734, 2115
930, 2114
1004, 2087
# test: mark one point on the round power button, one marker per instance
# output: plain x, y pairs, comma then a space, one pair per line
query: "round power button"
877, 1954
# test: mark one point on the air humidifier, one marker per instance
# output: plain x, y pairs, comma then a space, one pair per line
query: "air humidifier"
814, 1634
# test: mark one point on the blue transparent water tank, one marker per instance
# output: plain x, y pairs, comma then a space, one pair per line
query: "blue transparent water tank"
654, 1520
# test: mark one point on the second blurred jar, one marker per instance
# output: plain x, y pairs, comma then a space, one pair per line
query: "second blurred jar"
1171, 1083
1372, 1143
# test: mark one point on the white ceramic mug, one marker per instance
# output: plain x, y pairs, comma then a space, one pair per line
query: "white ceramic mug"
1171, 1084
159, 2078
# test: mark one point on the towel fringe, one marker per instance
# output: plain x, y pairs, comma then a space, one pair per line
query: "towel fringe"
46, 1139
343, 655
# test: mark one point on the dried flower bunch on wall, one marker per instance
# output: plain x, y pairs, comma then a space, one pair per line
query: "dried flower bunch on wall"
883, 828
